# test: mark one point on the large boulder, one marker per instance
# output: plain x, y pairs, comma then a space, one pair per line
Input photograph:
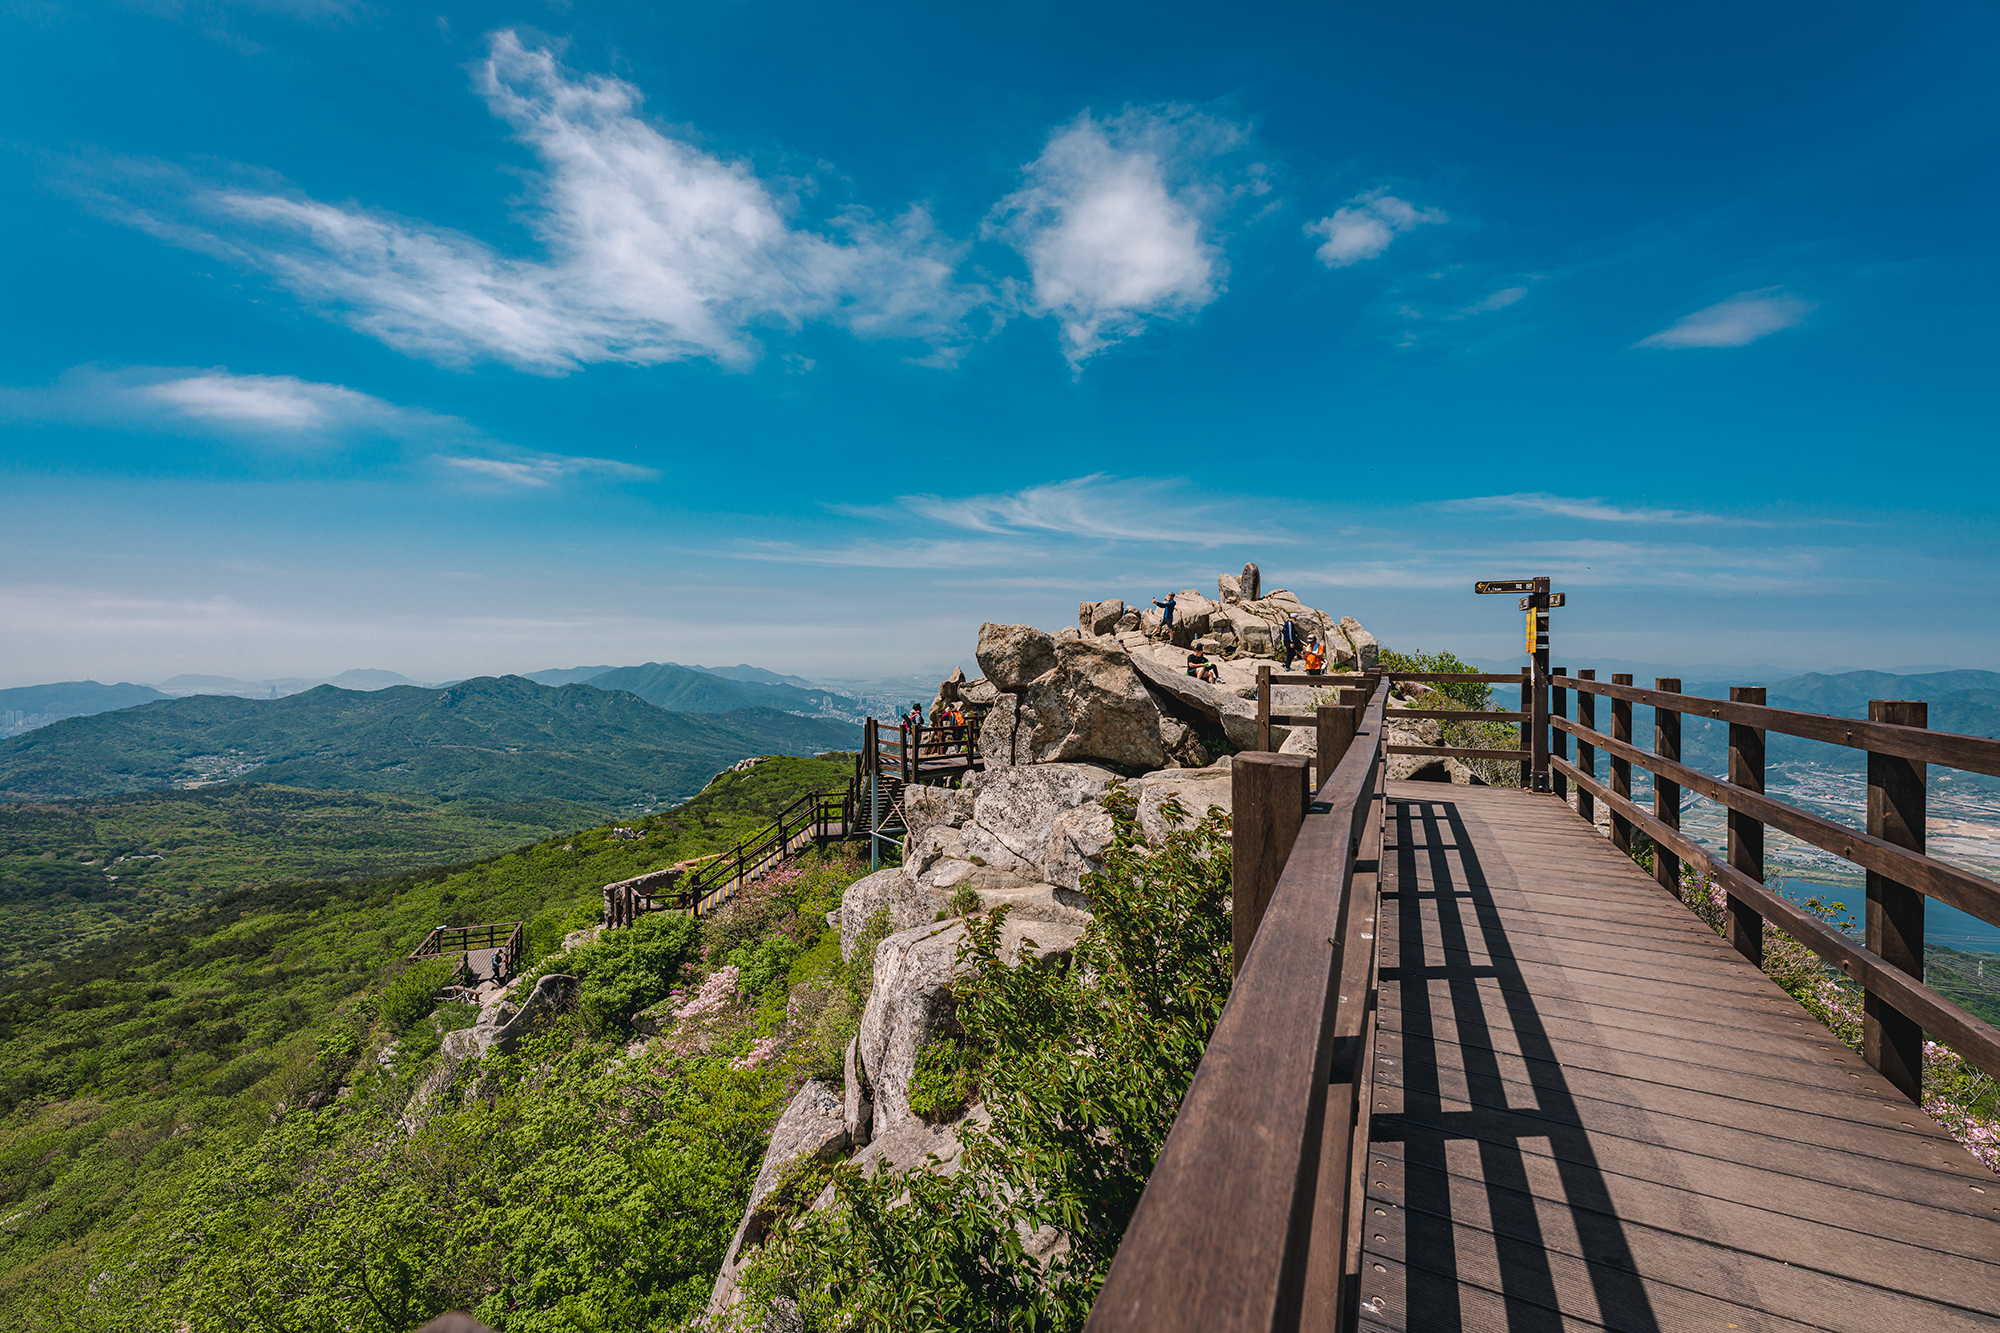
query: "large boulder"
896, 891
1013, 655
1367, 651
1194, 789
1250, 582
1099, 618
1224, 712
910, 1000
1077, 842
554, 994
1228, 589
1090, 705
1019, 806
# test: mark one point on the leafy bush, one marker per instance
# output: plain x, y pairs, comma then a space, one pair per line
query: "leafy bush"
1082, 1070
964, 900
1463, 693
409, 999
623, 971
766, 963
946, 1079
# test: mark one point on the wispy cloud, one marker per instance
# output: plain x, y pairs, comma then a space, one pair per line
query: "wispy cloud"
656, 250
1594, 510
276, 410
1366, 226
1499, 300
285, 415
1116, 220
1128, 509
873, 554
540, 469
1742, 319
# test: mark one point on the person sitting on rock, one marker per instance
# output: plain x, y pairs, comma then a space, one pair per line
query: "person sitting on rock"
1166, 616
1201, 668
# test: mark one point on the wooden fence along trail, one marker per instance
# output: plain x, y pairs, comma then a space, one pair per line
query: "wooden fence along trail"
1479, 1070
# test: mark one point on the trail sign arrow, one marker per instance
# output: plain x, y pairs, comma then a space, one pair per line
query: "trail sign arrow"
1554, 599
1504, 585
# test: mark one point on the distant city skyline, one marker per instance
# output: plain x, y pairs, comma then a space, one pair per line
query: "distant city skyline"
478, 341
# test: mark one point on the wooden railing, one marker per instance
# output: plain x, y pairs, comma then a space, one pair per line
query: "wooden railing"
813, 816
703, 887
1348, 684
506, 938
1888, 962
1247, 1221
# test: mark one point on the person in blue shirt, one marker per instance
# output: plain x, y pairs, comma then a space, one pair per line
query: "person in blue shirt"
1166, 616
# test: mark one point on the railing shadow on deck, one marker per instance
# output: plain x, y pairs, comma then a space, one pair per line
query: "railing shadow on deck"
1438, 864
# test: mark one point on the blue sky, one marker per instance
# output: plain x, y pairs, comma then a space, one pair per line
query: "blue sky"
495, 338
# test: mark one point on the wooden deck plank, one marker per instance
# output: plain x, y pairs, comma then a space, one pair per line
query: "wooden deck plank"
1609, 1120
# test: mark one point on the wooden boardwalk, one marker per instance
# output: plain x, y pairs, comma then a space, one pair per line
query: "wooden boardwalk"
1589, 1112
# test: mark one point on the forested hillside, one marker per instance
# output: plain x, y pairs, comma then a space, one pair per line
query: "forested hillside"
167, 1058
504, 738
74, 872
686, 690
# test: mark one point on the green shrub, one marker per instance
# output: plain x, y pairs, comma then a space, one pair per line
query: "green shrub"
766, 963
946, 1080
623, 971
964, 900
1082, 1068
408, 999
1466, 694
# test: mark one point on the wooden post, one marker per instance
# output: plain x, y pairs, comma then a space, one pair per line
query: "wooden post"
1269, 796
1528, 728
1337, 725
1897, 813
1558, 740
1667, 795
1621, 769
1264, 708
1586, 753
1746, 835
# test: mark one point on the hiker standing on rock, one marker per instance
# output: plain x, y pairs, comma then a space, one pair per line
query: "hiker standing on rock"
1288, 633
1166, 616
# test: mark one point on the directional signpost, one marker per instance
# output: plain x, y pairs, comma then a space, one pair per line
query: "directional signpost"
1537, 604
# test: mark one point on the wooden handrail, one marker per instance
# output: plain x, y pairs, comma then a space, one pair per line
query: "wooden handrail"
1964, 890
1238, 1223
1969, 1035
1974, 754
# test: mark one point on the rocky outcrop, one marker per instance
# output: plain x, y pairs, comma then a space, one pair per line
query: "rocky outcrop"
813, 1127
1219, 710
910, 1000
1100, 618
896, 891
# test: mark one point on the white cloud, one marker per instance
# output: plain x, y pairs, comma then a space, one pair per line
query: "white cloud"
1099, 506
283, 413
540, 469
1499, 300
1743, 318
280, 410
1594, 510
1116, 222
656, 250
1367, 224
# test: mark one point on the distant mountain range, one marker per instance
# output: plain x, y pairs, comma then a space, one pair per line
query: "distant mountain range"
502, 738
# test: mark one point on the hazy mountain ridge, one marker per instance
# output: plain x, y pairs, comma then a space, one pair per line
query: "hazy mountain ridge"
692, 690
497, 738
